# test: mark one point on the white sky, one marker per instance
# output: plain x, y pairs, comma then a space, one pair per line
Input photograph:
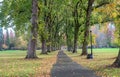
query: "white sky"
1, 0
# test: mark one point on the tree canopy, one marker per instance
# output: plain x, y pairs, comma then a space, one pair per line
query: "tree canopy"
56, 22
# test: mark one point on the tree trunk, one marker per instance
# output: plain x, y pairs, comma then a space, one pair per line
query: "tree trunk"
75, 39
47, 19
0, 46
33, 38
1, 39
87, 24
48, 48
117, 61
85, 44
77, 26
68, 37
69, 48
44, 51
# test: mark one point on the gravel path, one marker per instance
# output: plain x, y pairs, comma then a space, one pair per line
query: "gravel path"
66, 67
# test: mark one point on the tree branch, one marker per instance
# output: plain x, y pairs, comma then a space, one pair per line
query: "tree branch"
102, 4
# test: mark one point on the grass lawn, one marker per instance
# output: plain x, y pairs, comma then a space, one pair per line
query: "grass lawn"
103, 58
13, 64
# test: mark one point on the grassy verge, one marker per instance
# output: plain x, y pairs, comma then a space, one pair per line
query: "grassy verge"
103, 58
13, 64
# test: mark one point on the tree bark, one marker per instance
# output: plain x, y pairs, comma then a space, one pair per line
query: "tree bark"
0, 46
77, 26
75, 39
44, 51
1, 38
87, 24
69, 48
48, 48
33, 38
117, 61
49, 38
47, 19
69, 34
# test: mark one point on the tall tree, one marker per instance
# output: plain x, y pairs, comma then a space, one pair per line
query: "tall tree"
1, 38
77, 25
43, 39
92, 4
117, 61
7, 38
69, 36
117, 21
78, 15
87, 25
34, 29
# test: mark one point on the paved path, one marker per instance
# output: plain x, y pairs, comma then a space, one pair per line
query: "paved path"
65, 67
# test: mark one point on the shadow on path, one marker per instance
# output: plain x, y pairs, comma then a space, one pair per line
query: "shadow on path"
66, 67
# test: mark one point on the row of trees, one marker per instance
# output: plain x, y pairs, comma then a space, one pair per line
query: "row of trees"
47, 27
54, 21
6, 39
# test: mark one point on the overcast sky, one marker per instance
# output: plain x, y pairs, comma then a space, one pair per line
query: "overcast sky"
1, 0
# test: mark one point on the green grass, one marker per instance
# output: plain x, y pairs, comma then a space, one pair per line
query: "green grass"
103, 58
13, 64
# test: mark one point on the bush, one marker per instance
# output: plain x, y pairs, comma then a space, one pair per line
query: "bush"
4, 46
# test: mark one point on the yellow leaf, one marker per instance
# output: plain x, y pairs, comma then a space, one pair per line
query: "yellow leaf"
114, 14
